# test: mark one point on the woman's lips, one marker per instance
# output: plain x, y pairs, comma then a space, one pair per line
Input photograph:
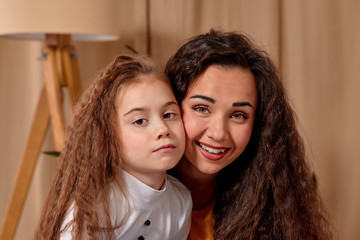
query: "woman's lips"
211, 152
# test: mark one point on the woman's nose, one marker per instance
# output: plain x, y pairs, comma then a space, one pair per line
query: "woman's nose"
217, 129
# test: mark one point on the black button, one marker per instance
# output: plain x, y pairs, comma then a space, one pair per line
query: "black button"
147, 222
141, 238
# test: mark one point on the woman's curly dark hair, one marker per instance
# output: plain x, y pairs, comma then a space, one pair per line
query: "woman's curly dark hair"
267, 193
90, 161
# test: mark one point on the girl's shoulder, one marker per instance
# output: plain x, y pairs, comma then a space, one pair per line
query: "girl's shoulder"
67, 225
176, 184
178, 190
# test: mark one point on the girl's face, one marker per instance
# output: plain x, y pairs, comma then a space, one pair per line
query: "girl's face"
150, 128
218, 114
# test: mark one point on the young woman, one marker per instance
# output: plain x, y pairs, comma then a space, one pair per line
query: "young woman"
111, 180
244, 160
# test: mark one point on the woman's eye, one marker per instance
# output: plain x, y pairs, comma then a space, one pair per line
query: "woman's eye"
239, 116
141, 121
201, 109
169, 115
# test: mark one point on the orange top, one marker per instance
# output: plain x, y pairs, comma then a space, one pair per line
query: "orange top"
201, 224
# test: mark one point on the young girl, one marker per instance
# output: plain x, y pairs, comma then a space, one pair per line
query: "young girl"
111, 180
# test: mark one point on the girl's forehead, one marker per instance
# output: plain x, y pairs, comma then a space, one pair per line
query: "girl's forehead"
145, 81
142, 83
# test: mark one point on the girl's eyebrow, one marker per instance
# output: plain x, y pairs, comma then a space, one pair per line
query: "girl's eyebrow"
134, 110
209, 99
170, 103
140, 109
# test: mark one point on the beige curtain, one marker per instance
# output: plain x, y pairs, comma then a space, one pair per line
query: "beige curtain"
320, 65
314, 42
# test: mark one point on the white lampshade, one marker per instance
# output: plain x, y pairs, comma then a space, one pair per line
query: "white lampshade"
85, 20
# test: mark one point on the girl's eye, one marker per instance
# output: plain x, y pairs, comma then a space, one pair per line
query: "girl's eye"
239, 116
140, 122
201, 109
169, 115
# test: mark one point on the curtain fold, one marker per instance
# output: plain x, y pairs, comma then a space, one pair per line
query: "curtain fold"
174, 22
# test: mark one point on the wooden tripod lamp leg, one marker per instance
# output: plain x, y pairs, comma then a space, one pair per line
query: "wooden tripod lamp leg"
54, 96
72, 74
58, 58
25, 172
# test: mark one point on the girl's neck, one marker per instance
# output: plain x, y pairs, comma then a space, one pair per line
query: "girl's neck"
201, 186
155, 181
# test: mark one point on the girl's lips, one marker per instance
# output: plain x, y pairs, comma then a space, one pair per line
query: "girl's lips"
165, 148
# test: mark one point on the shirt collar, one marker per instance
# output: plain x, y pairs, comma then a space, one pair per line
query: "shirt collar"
141, 193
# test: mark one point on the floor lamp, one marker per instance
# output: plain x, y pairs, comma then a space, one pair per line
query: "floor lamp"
57, 23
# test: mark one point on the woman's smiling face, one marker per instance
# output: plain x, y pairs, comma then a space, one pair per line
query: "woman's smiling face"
218, 114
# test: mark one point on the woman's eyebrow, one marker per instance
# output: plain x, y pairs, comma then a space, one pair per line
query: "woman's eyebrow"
241, 104
209, 99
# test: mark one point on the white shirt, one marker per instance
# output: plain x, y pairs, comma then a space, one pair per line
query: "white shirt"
154, 214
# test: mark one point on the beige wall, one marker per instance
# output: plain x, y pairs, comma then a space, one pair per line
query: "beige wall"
315, 44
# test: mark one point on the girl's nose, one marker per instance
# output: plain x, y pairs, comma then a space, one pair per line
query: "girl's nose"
162, 131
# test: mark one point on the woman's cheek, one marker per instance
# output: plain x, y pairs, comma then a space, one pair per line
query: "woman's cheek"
191, 123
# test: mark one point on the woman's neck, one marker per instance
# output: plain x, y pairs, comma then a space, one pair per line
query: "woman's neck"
201, 186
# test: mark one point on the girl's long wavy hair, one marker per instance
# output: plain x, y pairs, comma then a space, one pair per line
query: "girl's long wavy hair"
90, 161
267, 193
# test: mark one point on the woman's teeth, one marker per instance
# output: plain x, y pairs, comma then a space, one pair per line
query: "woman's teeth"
212, 150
